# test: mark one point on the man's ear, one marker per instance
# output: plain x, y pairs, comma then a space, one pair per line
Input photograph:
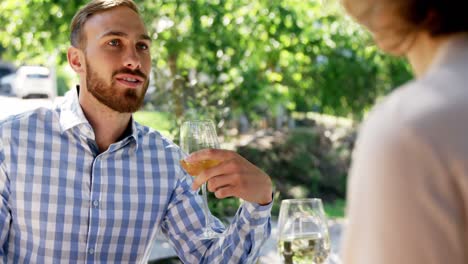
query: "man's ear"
76, 59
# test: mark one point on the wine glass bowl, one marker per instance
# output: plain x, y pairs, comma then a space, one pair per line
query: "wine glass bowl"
303, 232
195, 168
197, 135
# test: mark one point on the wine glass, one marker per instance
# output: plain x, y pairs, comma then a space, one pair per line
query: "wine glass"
303, 232
196, 135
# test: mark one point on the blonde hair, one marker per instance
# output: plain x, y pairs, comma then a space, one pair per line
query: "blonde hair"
77, 39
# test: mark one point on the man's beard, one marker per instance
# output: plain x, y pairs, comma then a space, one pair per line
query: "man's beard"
121, 100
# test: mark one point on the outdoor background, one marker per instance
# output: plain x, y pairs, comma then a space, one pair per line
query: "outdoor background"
287, 81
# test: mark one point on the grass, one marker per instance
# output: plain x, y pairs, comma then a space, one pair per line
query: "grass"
333, 210
157, 120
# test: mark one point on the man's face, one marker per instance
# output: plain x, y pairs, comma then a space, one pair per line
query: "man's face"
118, 59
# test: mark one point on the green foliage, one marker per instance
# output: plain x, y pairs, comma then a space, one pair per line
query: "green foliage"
221, 59
63, 82
32, 30
156, 120
225, 58
62, 85
223, 208
304, 162
2, 50
335, 209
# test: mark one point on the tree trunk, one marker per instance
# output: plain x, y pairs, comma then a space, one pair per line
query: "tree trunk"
177, 87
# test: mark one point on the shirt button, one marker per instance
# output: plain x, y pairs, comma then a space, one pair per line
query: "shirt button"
95, 203
91, 251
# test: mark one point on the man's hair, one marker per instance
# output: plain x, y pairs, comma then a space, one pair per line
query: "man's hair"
77, 38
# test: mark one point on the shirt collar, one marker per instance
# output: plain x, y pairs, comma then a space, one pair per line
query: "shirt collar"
455, 50
134, 130
72, 115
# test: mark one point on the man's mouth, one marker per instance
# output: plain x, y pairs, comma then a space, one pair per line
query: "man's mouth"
131, 81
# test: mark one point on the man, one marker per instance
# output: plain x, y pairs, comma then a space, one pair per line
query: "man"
85, 183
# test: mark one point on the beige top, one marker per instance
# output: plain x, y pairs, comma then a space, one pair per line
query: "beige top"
408, 186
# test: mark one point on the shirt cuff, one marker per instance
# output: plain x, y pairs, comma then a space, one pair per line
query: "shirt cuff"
255, 214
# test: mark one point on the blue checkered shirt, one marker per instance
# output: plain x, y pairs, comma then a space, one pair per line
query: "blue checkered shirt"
61, 201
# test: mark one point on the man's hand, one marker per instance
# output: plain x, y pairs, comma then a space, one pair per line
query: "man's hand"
234, 176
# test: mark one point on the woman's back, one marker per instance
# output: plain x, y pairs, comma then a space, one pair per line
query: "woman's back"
408, 188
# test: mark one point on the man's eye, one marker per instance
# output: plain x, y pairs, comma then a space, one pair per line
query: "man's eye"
142, 46
114, 42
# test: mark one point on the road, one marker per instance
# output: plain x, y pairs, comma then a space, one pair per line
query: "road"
10, 105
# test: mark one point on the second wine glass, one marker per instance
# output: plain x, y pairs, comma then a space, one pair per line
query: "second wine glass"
303, 232
197, 135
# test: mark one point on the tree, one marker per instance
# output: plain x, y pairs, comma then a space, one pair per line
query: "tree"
34, 29
2, 50
229, 58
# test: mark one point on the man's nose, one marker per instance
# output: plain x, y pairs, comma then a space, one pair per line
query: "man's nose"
132, 59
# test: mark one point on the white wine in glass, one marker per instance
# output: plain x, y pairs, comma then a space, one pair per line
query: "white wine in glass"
303, 232
197, 135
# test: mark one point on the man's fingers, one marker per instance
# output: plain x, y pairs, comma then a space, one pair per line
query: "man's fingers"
222, 168
224, 192
218, 182
198, 181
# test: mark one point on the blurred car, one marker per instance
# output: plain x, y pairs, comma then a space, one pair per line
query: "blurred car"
5, 70
30, 81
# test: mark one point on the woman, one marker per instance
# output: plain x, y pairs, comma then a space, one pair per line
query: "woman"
408, 186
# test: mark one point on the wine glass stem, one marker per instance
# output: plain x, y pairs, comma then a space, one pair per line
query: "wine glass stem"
206, 210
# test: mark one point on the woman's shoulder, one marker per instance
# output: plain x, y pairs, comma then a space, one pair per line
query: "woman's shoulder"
438, 91
432, 107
